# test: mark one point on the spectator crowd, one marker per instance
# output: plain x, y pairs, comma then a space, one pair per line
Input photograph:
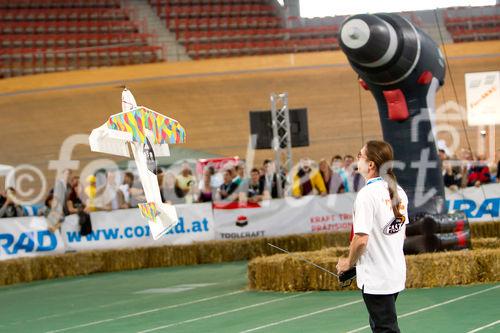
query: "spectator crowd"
114, 189
465, 170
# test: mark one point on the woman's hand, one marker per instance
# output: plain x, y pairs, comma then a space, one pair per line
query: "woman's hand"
343, 265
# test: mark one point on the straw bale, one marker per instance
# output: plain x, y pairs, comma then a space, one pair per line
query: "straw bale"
89, 262
288, 273
485, 229
486, 243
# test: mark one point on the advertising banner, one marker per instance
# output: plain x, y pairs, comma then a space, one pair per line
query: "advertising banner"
126, 228
27, 237
284, 217
480, 204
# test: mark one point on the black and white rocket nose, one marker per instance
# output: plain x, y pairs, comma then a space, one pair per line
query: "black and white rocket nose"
368, 40
355, 33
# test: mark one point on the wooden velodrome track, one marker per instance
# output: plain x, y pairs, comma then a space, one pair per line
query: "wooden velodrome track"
212, 99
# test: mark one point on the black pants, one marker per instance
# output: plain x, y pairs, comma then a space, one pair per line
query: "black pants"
382, 311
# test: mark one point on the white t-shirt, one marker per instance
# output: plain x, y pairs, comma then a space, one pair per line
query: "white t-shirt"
381, 269
125, 188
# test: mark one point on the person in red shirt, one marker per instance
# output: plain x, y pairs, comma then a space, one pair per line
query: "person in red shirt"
479, 173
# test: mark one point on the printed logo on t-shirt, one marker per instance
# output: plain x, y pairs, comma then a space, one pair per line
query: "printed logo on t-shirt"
394, 226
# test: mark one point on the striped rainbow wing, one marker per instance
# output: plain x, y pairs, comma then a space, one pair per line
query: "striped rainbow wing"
165, 129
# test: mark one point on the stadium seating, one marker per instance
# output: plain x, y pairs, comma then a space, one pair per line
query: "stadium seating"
64, 27
189, 37
22, 61
72, 40
469, 35
43, 4
217, 50
66, 14
51, 35
465, 24
199, 11
225, 28
41, 36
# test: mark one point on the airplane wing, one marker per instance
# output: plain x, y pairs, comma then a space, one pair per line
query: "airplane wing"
111, 137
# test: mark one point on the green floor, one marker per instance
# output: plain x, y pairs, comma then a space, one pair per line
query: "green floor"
212, 298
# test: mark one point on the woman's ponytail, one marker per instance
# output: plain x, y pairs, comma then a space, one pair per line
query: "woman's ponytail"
381, 153
391, 180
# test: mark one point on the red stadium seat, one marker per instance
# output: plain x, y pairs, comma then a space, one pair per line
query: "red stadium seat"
220, 28
42, 60
67, 14
18, 4
207, 50
48, 27
73, 40
465, 25
40, 36
475, 34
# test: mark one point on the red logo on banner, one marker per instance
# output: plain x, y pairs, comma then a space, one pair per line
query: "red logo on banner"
241, 221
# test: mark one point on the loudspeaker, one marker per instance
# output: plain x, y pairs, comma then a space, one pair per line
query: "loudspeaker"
261, 125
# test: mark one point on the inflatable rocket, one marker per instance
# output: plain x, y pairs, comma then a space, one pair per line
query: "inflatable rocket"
403, 68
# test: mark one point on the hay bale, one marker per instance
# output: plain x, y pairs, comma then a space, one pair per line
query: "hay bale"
245, 249
441, 269
486, 243
83, 263
286, 273
283, 272
48, 267
485, 229
89, 262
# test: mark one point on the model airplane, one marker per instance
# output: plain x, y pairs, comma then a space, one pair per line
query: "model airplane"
149, 134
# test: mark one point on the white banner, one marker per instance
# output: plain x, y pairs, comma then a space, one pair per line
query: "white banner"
126, 228
480, 204
26, 237
285, 216
482, 92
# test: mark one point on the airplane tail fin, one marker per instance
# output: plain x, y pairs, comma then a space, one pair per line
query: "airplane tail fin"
161, 217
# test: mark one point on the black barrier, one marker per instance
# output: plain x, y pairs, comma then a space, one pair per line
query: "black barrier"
437, 232
437, 223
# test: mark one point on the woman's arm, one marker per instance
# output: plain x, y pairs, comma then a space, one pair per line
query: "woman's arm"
356, 249
71, 207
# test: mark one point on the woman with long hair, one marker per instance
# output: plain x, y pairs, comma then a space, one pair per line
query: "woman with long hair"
380, 215
331, 178
207, 191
